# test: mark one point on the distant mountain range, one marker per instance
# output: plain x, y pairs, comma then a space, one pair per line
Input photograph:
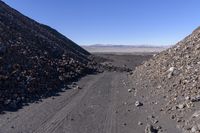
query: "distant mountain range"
126, 46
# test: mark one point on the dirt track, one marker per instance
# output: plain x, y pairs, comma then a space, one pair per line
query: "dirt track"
103, 105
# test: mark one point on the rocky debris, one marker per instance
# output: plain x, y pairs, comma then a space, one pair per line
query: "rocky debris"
107, 66
36, 60
150, 129
137, 104
176, 72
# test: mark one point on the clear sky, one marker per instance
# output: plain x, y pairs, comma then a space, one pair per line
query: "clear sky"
129, 22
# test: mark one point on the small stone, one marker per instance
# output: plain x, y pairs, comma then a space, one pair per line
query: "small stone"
7, 101
171, 69
137, 104
140, 123
173, 116
74, 84
181, 106
61, 78
194, 129
187, 98
159, 87
155, 121
178, 120
13, 104
159, 127
2, 49
196, 114
161, 109
79, 88
195, 99
150, 129
169, 75
129, 90
152, 116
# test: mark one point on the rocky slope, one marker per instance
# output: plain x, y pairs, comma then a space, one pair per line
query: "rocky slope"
172, 79
35, 59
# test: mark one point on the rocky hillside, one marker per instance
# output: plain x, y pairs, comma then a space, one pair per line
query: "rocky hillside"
172, 78
35, 59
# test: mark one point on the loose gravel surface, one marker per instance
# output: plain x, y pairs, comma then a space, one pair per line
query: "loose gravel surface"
101, 103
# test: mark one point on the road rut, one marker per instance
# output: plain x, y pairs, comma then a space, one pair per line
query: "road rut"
91, 109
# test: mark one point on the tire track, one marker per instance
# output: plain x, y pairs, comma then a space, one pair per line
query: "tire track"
59, 117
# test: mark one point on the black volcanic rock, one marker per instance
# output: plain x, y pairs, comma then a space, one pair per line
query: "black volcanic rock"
35, 59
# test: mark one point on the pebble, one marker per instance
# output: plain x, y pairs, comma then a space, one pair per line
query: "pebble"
173, 116
129, 90
194, 129
187, 98
78, 87
195, 99
181, 106
150, 129
155, 121
171, 69
140, 123
3, 49
196, 114
137, 104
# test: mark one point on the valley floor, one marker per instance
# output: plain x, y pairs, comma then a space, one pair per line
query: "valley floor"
102, 105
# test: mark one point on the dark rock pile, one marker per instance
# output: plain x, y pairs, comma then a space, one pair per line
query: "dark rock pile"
35, 59
105, 64
173, 76
112, 68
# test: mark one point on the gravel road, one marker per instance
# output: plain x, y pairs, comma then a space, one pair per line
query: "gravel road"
89, 110
102, 105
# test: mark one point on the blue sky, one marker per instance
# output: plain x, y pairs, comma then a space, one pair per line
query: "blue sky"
128, 22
